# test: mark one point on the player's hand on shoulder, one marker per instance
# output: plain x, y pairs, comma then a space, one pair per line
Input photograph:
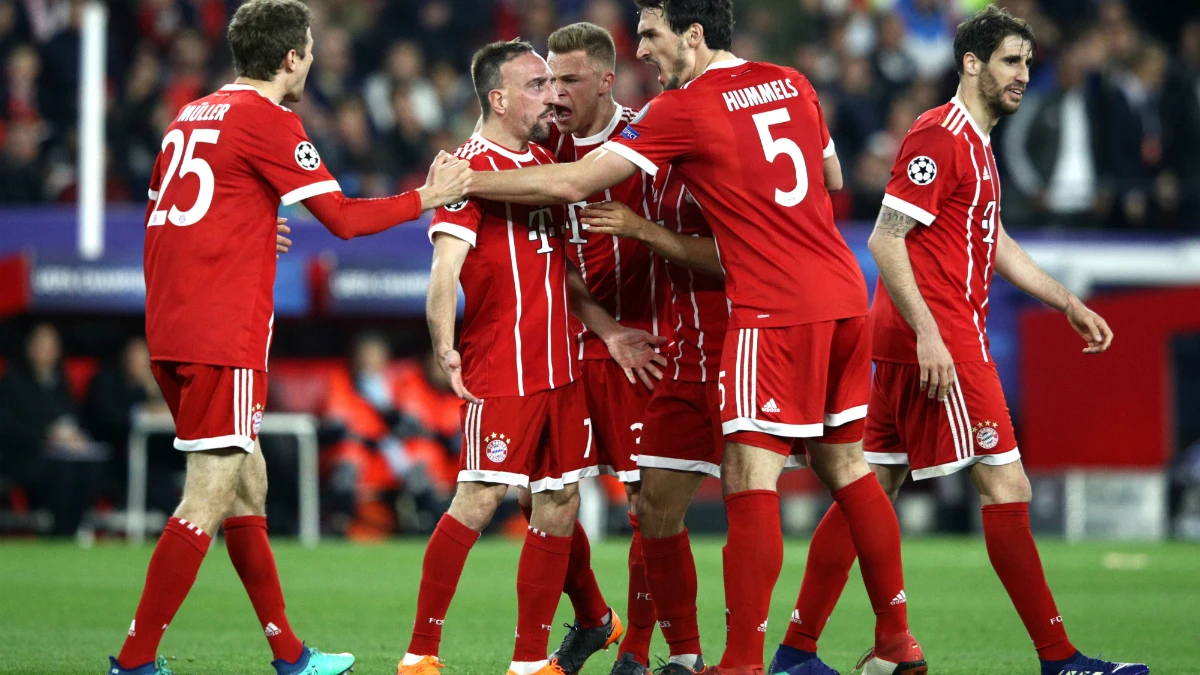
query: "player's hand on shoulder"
1091, 327
937, 366
613, 218
633, 350
282, 243
451, 364
447, 182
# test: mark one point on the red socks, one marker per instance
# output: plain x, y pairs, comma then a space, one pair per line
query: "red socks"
671, 577
830, 557
753, 557
540, 576
639, 626
1014, 556
581, 587
876, 534
250, 552
445, 556
172, 571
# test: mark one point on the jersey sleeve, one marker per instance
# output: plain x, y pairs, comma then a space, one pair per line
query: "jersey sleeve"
656, 136
155, 179
461, 220
925, 174
827, 149
283, 155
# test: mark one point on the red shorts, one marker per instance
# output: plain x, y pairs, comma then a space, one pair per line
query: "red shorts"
542, 441
682, 430
780, 385
214, 406
934, 437
618, 409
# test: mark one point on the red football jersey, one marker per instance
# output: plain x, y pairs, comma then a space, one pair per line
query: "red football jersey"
622, 274
749, 139
227, 162
698, 302
516, 337
945, 177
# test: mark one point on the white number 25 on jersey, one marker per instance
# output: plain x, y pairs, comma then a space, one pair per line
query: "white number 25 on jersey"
190, 165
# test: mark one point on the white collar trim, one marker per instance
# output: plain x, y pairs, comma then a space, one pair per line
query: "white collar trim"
603, 135
730, 63
527, 157
245, 87
986, 138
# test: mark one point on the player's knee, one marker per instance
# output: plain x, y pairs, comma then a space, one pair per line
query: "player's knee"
1004, 484
837, 466
475, 504
890, 478
554, 512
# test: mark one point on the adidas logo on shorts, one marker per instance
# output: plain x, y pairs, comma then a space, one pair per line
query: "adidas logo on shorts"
770, 407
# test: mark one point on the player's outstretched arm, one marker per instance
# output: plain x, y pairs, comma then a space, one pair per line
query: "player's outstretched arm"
1015, 265
617, 219
895, 268
631, 348
441, 304
347, 218
554, 183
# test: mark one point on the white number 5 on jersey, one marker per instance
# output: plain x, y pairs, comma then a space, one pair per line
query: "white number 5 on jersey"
773, 147
190, 165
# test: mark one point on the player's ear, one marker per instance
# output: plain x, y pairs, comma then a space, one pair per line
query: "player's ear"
606, 82
971, 64
497, 100
694, 35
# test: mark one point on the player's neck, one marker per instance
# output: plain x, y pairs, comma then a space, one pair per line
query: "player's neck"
494, 131
604, 115
706, 57
272, 89
977, 108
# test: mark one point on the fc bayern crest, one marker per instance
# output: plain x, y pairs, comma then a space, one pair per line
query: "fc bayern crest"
307, 157
641, 113
497, 448
922, 170
256, 418
986, 435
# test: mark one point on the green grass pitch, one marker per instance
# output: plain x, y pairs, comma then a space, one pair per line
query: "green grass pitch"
63, 609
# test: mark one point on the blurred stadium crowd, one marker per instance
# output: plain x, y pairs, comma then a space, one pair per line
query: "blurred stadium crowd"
1109, 135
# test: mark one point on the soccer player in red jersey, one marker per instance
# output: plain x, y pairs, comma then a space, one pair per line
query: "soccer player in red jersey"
227, 162
682, 442
626, 279
750, 142
525, 421
936, 402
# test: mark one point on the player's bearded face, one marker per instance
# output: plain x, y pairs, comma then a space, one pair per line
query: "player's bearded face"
663, 49
1002, 79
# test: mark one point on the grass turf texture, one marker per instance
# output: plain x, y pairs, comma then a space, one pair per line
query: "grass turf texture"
63, 610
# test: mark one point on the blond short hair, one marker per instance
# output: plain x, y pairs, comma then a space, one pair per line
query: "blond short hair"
588, 38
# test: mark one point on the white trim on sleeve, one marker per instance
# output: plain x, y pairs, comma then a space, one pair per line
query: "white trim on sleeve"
217, 443
633, 156
911, 210
152, 194
456, 231
829, 151
311, 190
848, 415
